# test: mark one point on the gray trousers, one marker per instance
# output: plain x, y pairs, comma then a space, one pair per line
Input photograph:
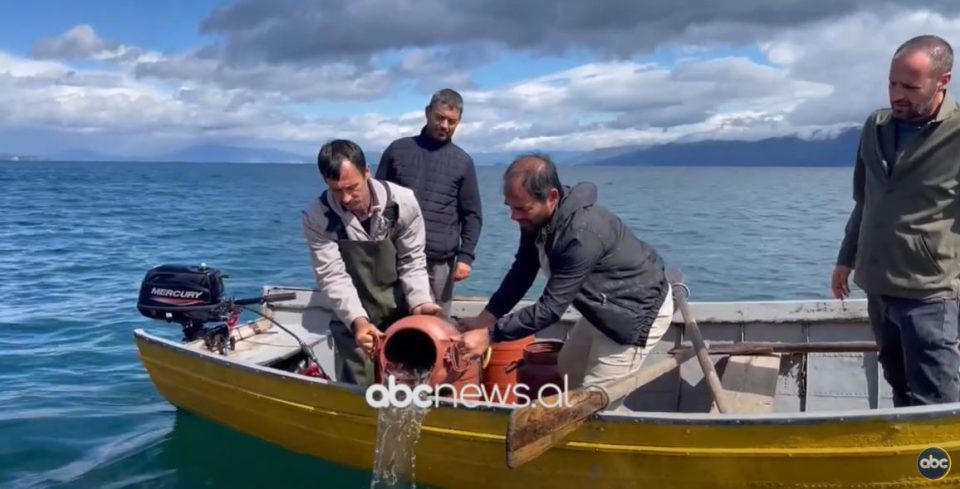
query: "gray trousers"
441, 282
590, 358
352, 366
918, 341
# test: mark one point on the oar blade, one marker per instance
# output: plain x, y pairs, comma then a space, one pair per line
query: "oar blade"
536, 428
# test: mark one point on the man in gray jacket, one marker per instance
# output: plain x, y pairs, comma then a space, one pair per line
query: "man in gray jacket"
902, 236
366, 240
593, 262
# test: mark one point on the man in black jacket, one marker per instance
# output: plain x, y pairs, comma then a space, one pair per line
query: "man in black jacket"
444, 179
616, 281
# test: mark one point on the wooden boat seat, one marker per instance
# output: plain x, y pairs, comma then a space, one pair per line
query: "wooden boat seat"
750, 382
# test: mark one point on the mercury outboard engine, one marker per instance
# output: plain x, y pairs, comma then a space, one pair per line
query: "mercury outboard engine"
189, 295
193, 296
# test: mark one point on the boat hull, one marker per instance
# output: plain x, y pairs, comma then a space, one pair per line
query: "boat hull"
463, 448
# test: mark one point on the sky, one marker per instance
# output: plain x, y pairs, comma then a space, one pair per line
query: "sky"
147, 77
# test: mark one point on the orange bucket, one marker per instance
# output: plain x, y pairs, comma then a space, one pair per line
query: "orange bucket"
500, 373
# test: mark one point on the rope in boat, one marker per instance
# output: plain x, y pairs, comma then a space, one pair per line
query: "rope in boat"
303, 346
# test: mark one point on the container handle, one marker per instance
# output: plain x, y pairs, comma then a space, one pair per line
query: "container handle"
377, 367
513, 366
453, 357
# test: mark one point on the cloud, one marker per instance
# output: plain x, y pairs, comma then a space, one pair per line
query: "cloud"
629, 86
852, 54
434, 68
119, 112
53, 94
285, 31
79, 42
824, 70
297, 83
628, 103
206, 66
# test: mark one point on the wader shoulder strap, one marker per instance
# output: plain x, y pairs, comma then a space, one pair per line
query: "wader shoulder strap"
391, 213
334, 223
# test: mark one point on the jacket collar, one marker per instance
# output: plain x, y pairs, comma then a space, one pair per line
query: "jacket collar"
551, 225
378, 197
428, 141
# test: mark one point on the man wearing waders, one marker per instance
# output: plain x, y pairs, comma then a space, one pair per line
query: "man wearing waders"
366, 239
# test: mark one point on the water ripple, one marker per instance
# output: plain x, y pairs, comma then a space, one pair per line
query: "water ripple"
76, 407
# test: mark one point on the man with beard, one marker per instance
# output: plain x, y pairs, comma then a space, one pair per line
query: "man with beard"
592, 261
443, 178
901, 240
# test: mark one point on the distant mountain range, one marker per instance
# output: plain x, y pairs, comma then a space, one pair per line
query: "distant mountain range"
782, 151
200, 153
17, 157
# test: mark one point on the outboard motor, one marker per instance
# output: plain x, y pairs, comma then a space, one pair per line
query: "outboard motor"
190, 296
193, 296
185, 294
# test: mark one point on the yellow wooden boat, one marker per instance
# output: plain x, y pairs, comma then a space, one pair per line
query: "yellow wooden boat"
820, 419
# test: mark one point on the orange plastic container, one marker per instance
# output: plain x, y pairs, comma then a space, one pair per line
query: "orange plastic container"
500, 374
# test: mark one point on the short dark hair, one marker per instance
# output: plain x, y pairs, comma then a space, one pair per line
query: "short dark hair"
448, 97
938, 49
332, 155
538, 175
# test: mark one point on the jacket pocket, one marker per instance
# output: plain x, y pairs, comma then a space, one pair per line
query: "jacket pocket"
591, 295
933, 259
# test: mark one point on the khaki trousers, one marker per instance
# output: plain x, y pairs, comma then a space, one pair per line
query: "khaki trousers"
591, 358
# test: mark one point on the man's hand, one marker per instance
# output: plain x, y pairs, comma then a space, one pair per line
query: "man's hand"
839, 282
364, 332
483, 321
428, 308
461, 272
473, 344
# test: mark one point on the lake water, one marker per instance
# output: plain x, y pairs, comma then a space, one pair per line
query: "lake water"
77, 409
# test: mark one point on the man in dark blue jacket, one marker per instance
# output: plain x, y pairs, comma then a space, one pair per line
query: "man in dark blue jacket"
593, 262
444, 180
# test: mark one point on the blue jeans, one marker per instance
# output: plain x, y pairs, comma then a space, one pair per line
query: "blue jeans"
918, 341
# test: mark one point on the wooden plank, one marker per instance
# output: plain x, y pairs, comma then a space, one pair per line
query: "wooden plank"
766, 347
751, 383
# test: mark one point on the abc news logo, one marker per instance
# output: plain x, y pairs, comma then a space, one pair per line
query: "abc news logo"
933, 463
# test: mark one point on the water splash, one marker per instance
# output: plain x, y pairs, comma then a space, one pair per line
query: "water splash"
398, 430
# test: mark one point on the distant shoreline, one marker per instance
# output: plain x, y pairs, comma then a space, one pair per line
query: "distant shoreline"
479, 165
789, 151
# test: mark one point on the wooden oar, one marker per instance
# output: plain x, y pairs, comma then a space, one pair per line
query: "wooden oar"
537, 427
680, 294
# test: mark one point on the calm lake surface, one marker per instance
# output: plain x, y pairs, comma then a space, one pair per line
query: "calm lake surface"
77, 409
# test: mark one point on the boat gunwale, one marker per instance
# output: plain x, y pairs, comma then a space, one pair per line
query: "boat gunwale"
912, 413
718, 312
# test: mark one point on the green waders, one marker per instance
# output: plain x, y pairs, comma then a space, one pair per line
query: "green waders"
372, 266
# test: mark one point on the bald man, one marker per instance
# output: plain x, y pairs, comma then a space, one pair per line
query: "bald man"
592, 261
